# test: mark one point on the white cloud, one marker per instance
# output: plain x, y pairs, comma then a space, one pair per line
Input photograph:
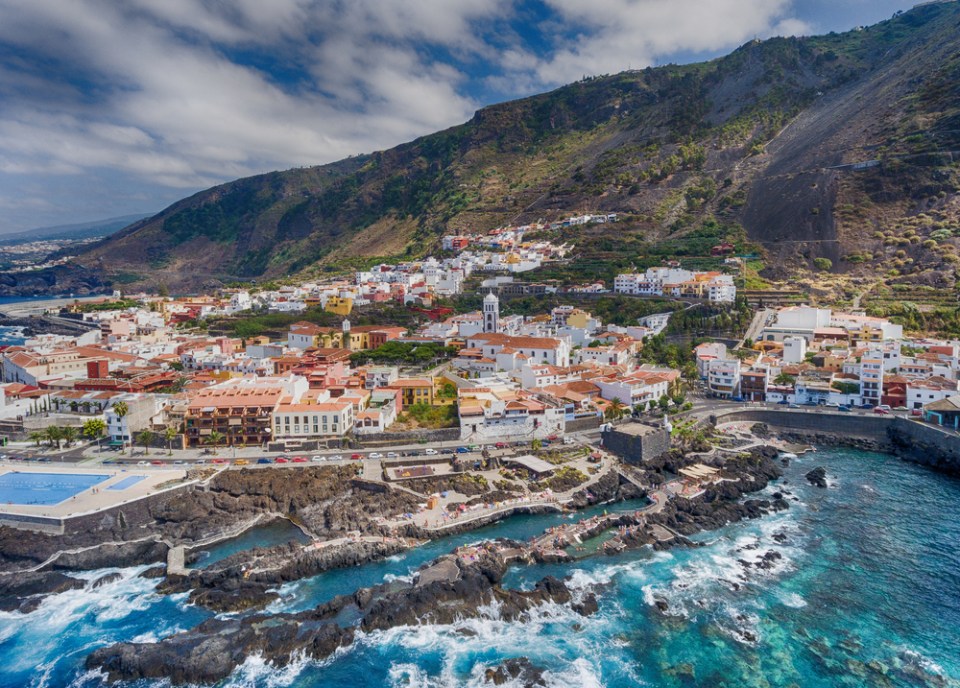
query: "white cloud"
186, 93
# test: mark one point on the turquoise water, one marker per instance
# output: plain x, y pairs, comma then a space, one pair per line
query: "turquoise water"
866, 592
44, 488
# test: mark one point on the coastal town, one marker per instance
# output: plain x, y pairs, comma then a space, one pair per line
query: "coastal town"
404, 348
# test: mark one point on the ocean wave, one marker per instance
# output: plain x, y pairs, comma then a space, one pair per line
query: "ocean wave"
464, 648
256, 672
38, 633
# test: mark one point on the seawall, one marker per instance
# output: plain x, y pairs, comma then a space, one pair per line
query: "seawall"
908, 439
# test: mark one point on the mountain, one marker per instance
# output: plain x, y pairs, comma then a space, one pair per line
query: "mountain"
833, 153
83, 230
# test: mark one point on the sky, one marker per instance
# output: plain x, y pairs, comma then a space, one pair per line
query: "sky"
113, 108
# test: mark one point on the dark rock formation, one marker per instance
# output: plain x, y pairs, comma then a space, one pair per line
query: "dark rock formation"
212, 650
244, 581
817, 477
519, 669
24, 591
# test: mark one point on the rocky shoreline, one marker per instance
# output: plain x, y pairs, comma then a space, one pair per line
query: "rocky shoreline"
463, 584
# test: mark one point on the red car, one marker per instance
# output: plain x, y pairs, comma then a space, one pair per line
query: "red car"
881, 411
356, 457
299, 459
553, 438
501, 445
157, 463
281, 459
219, 461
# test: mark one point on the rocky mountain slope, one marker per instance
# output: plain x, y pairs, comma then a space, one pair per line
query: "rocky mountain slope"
836, 153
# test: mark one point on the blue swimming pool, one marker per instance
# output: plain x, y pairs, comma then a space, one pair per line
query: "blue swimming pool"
44, 488
129, 481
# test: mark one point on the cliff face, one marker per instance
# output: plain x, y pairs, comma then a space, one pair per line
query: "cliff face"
749, 147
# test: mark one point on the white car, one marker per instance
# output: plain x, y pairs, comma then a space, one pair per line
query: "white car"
143, 463
317, 458
335, 457
375, 455
391, 455
431, 452
568, 440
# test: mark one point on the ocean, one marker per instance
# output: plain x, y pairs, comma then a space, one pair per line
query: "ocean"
863, 590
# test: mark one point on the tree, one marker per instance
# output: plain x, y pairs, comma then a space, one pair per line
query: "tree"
120, 409
784, 379
37, 436
69, 434
94, 429
215, 438
53, 435
664, 402
614, 410
170, 434
145, 437
678, 399
85, 406
536, 444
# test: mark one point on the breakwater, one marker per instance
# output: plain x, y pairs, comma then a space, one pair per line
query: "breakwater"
908, 439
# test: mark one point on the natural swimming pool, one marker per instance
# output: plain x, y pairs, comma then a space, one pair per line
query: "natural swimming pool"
44, 488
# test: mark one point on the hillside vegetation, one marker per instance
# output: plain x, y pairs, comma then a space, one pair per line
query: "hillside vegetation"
748, 148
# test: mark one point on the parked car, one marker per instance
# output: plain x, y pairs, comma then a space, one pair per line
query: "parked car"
916, 412
501, 445
282, 459
866, 407
739, 400
219, 461
241, 462
375, 455
843, 408
885, 407
299, 459
881, 411
782, 402
794, 406
143, 463
430, 451
553, 438
568, 440
832, 404
356, 457
264, 460
463, 450
335, 457
391, 455
317, 459
900, 408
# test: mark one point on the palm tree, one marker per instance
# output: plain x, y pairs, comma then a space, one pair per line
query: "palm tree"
215, 438
614, 410
37, 436
170, 434
145, 437
69, 434
120, 409
54, 435
85, 406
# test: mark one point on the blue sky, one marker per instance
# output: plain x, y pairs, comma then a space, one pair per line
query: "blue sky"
111, 108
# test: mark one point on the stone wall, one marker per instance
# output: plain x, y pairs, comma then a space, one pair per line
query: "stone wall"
911, 440
637, 447
426, 437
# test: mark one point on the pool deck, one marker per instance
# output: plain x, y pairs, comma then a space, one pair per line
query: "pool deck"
94, 499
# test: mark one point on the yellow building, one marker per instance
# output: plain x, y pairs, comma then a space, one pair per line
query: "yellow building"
341, 305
